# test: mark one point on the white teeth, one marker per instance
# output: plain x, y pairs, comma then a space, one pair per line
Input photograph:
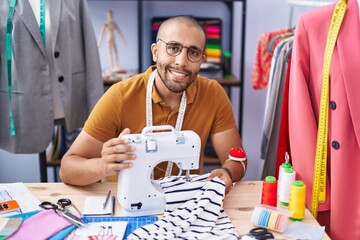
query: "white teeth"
178, 74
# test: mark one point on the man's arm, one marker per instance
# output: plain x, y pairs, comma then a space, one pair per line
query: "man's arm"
223, 142
88, 160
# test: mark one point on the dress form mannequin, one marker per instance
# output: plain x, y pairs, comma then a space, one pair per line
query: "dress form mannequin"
54, 62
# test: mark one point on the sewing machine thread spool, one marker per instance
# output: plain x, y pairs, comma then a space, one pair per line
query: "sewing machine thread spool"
270, 218
281, 173
269, 191
286, 180
297, 200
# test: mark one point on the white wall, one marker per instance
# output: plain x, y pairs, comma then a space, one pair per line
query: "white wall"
262, 16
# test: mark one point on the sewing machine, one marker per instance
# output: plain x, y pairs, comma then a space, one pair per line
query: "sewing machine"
138, 194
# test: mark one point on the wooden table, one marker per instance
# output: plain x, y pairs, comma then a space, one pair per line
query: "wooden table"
238, 205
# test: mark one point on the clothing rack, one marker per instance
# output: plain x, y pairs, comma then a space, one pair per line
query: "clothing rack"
306, 3
310, 3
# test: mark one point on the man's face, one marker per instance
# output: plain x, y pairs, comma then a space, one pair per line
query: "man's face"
178, 72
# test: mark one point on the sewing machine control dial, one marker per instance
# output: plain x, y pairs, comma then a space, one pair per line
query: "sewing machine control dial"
180, 139
135, 139
151, 145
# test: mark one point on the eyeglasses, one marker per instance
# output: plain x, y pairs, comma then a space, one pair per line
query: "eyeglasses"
174, 48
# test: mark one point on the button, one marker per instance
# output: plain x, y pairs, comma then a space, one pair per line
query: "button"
61, 79
332, 105
335, 145
151, 145
56, 54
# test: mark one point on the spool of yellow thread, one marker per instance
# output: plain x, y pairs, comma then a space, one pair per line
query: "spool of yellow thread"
297, 200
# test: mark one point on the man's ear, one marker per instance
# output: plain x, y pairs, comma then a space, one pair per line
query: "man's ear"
203, 58
154, 51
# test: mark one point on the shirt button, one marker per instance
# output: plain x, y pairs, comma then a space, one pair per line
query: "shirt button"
56, 54
332, 105
335, 145
61, 79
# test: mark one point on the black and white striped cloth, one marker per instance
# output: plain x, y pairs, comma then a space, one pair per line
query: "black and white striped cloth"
193, 211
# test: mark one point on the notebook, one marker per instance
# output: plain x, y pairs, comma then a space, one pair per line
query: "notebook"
94, 206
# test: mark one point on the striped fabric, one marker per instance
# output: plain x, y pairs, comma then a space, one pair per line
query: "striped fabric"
193, 211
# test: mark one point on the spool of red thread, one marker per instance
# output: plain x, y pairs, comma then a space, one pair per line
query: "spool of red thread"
269, 191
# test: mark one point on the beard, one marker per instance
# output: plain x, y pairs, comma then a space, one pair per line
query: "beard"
173, 85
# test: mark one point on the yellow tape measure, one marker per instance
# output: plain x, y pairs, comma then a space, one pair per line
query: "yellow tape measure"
319, 181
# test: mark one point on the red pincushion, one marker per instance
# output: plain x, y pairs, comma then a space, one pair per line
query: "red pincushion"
237, 154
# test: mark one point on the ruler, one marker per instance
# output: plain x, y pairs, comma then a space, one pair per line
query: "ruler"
319, 180
133, 222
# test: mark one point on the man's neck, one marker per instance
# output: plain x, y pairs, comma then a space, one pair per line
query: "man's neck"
170, 98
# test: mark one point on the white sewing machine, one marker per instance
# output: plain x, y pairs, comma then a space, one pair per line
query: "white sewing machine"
138, 194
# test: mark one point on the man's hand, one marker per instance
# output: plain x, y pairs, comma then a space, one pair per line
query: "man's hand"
223, 175
114, 152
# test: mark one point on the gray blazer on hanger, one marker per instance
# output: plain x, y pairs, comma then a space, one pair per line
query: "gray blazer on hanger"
77, 69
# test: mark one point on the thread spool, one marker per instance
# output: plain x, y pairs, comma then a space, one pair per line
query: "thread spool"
287, 179
297, 200
281, 172
227, 63
270, 218
269, 191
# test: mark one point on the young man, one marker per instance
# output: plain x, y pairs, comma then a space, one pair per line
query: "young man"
178, 96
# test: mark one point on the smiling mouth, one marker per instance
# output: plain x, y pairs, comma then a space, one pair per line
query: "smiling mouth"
178, 73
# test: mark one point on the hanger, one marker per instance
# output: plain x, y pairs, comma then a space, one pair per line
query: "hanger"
310, 3
288, 54
270, 46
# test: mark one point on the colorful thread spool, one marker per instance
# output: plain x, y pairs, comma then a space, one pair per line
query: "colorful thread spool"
269, 191
287, 179
269, 218
281, 173
297, 200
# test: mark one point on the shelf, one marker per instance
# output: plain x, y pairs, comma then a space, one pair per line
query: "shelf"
209, 160
231, 81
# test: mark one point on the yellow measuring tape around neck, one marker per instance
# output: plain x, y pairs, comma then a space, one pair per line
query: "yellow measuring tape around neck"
319, 181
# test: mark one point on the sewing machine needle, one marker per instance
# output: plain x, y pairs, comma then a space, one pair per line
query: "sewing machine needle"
187, 176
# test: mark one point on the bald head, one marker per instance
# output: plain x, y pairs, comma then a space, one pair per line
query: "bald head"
183, 19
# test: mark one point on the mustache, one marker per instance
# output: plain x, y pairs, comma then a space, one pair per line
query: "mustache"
188, 72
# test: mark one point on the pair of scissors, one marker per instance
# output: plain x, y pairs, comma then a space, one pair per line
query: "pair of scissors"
60, 208
259, 233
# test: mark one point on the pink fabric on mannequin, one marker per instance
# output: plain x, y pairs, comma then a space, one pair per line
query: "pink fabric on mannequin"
343, 193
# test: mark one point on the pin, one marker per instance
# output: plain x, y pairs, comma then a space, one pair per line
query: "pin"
107, 199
